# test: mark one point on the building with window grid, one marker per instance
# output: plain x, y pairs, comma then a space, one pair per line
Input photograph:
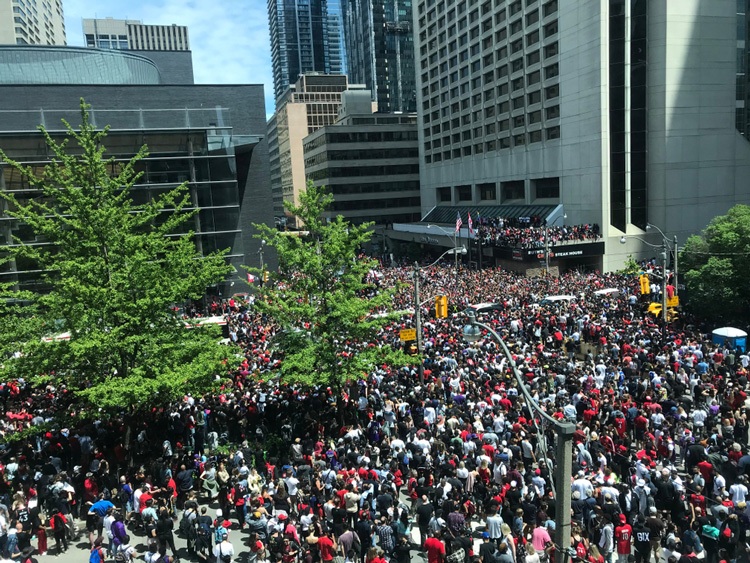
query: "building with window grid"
210, 136
369, 162
623, 112
312, 102
305, 37
109, 33
32, 22
380, 51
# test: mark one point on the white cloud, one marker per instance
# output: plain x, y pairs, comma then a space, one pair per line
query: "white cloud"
229, 39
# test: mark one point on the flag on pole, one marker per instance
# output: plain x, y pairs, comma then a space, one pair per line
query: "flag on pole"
471, 226
458, 221
250, 278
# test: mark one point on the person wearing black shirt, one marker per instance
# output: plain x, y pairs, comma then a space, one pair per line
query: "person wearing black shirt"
403, 550
424, 515
487, 549
642, 540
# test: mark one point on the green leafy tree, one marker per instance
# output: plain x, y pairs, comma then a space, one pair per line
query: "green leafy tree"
322, 300
630, 268
713, 267
114, 270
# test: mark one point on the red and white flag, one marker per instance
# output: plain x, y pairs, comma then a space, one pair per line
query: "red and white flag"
250, 278
471, 226
458, 221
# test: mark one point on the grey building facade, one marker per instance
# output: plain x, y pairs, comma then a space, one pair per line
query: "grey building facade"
368, 161
379, 42
623, 112
212, 137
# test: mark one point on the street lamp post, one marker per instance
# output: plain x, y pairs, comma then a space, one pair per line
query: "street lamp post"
455, 244
472, 332
418, 305
546, 242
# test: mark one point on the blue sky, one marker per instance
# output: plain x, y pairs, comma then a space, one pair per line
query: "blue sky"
229, 38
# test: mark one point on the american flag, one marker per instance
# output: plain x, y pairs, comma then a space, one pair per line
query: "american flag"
471, 226
458, 221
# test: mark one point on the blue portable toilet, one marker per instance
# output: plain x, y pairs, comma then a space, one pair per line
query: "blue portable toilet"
733, 336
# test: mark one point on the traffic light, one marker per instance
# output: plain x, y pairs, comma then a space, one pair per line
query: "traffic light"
645, 286
265, 276
441, 306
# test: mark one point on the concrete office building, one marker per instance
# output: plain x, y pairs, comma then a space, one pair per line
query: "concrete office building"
369, 161
211, 136
109, 33
622, 112
312, 102
305, 37
380, 51
32, 22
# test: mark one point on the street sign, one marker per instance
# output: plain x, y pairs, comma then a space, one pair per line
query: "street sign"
408, 334
673, 301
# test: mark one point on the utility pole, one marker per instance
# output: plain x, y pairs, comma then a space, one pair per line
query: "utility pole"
676, 283
418, 321
664, 256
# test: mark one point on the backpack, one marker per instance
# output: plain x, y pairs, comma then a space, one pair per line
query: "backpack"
121, 555
186, 525
123, 497
96, 555
218, 532
224, 557
457, 556
204, 530
581, 551
708, 531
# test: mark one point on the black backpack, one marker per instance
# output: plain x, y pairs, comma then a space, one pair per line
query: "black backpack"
187, 529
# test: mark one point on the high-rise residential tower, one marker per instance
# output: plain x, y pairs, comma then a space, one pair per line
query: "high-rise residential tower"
32, 22
379, 43
305, 37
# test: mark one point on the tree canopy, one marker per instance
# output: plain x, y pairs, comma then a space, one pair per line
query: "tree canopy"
113, 271
323, 296
712, 266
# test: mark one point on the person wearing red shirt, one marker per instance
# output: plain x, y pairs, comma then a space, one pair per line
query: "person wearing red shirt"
641, 424
706, 470
435, 548
327, 547
623, 538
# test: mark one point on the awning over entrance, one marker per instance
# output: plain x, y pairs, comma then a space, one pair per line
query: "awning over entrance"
447, 213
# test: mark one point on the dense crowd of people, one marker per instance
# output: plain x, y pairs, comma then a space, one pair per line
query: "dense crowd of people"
532, 233
457, 466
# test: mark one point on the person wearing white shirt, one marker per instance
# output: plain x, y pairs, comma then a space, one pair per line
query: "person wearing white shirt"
738, 491
582, 485
719, 484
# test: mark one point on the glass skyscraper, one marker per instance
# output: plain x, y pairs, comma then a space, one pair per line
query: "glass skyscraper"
305, 37
379, 43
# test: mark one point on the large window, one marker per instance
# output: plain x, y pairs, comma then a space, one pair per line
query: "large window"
513, 190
